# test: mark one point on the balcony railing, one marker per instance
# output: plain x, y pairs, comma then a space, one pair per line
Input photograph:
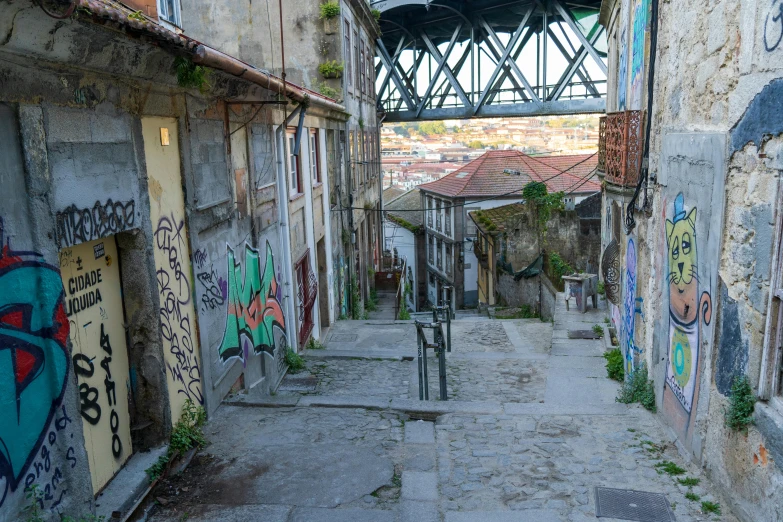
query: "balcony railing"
479, 252
623, 138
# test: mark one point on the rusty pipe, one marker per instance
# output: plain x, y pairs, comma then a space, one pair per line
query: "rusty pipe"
209, 57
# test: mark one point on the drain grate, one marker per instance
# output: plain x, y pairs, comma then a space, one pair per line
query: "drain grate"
343, 338
627, 504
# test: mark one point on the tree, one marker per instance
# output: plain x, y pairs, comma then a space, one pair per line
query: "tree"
431, 128
475, 144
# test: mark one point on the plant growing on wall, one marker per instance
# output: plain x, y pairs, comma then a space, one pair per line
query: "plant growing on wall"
638, 388
329, 10
739, 414
376, 13
329, 92
558, 267
543, 204
331, 69
187, 434
405, 315
190, 75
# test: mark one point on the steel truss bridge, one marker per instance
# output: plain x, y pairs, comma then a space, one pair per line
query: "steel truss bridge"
453, 59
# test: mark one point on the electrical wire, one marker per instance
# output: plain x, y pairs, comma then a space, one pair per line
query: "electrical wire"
472, 202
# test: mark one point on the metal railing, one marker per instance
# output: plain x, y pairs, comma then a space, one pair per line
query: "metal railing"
439, 346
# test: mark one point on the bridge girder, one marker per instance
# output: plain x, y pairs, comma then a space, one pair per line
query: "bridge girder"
453, 59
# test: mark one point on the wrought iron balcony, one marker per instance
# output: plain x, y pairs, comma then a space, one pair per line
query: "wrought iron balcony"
622, 140
602, 144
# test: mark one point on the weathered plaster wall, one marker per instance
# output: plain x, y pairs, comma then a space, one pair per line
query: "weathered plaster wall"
526, 292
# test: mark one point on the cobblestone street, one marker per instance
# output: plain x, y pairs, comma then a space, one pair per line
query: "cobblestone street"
530, 429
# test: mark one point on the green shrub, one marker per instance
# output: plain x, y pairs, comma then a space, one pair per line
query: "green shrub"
615, 364
601, 288
331, 69
294, 361
638, 388
405, 315
599, 330
313, 344
328, 91
739, 414
558, 267
692, 496
710, 507
689, 481
186, 435
668, 467
330, 10
190, 75
376, 13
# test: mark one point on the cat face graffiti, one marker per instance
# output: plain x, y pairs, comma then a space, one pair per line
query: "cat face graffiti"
683, 274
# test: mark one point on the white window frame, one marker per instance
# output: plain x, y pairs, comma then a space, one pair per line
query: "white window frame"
294, 165
315, 159
174, 18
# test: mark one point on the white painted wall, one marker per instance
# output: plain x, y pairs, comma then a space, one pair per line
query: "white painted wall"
404, 241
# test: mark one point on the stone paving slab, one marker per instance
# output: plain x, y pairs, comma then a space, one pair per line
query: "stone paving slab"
342, 515
419, 432
419, 485
529, 515
418, 511
360, 378
223, 513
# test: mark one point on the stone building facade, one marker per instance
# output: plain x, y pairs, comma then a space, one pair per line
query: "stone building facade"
692, 157
150, 233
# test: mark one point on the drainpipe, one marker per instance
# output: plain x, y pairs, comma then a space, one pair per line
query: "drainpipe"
285, 232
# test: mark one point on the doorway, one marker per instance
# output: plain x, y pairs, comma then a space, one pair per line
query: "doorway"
93, 304
323, 283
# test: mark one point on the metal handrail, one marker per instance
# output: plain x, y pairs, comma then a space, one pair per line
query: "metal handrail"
400, 295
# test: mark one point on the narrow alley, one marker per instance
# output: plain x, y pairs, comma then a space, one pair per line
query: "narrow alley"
530, 429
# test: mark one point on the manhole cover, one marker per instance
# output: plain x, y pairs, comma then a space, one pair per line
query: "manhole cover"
583, 334
627, 504
343, 338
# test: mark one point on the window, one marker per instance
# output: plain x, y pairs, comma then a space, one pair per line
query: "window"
294, 165
439, 254
448, 259
169, 10
352, 160
438, 219
429, 211
364, 60
356, 60
470, 225
431, 249
370, 69
367, 154
348, 61
447, 219
315, 156
362, 68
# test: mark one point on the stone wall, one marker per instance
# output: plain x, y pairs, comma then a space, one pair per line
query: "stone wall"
527, 292
715, 163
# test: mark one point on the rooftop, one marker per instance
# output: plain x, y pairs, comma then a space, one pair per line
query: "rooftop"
494, 220
406, 210
487, 176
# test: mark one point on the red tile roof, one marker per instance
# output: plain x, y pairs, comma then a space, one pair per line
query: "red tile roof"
485, 175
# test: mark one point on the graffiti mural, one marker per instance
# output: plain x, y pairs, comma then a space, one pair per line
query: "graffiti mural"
177, 326
610, 266
255, 312
639, 52
631, 307
773, 26
100, 354
33, 362
689, 305
215, 289
78, 225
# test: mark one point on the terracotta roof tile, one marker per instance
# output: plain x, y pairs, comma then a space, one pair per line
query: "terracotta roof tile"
485, 176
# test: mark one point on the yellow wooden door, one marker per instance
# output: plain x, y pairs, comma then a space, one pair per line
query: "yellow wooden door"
172, 263
93, 304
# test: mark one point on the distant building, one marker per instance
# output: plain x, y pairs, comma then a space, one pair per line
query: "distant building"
404, 237
495, 179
